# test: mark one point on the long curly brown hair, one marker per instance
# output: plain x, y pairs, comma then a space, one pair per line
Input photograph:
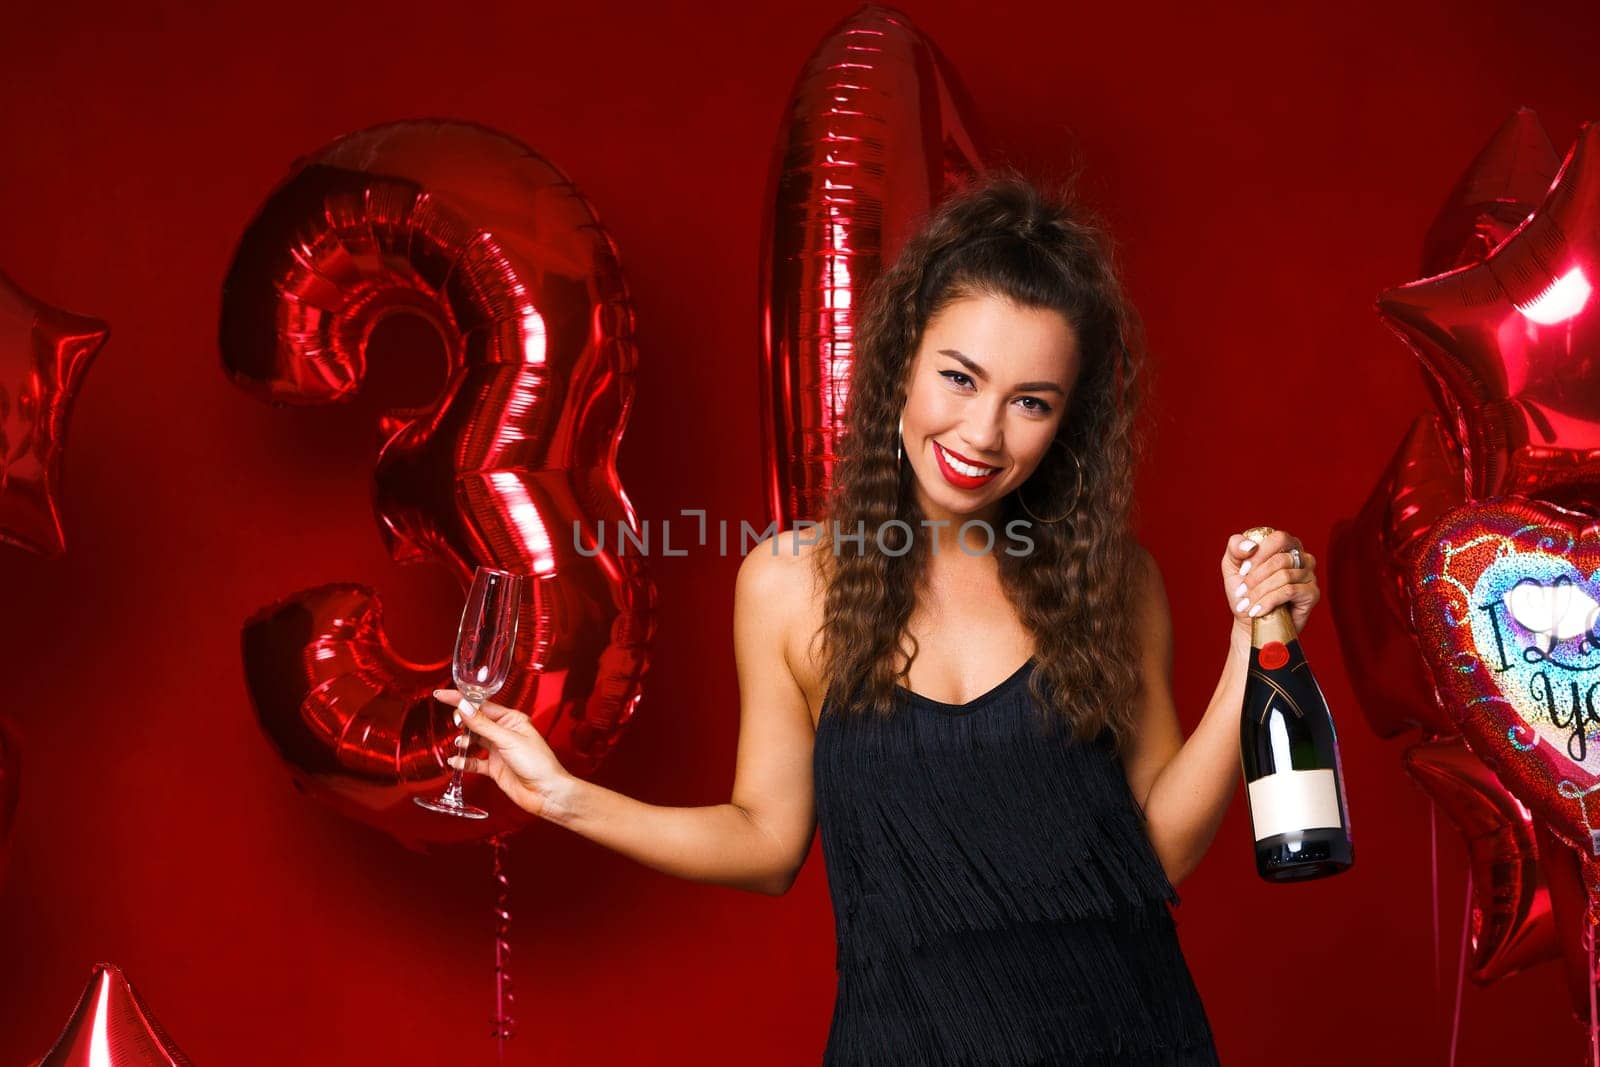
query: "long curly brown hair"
1001, 236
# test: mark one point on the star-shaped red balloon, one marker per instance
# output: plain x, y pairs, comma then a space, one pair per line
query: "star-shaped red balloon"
1513, 928
44, 353
1516, 340
112, 1027
1498, 190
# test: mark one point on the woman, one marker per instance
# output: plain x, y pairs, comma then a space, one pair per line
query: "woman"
1001, 842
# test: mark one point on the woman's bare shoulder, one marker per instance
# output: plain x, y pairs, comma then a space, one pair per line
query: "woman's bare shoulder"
779, 593
783, 565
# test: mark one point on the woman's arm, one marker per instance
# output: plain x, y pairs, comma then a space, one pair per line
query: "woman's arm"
722, 844
761, 837
1185, 786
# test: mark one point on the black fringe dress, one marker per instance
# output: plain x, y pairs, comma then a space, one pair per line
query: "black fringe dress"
995, 896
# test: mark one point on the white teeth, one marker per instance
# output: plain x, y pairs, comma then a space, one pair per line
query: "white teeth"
964, 468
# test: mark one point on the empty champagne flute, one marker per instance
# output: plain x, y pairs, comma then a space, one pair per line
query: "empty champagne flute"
484, 643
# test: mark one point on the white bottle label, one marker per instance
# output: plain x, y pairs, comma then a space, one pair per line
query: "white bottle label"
1290, 801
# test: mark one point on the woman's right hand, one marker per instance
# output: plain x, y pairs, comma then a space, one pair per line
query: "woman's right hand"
521, 763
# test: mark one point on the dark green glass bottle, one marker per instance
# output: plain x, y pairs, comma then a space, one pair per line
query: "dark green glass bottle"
1293, 775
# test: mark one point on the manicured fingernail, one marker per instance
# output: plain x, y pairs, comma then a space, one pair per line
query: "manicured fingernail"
1246, 545
454, 761
455, 717
438, 692
1243, 588
1255, 611
467, 709
1241, 604
1244, 570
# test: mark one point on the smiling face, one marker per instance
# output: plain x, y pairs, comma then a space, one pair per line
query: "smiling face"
985, 397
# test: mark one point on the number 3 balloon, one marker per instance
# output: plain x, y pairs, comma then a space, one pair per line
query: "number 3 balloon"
494, 247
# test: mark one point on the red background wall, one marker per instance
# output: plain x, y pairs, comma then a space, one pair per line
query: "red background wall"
1266, 172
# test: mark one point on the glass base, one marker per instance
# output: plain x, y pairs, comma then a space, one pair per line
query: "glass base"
450, 805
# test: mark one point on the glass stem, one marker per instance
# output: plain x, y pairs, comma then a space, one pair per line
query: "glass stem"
463, 746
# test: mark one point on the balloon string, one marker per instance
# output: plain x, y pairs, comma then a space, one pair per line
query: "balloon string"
1461, 967
504, 1026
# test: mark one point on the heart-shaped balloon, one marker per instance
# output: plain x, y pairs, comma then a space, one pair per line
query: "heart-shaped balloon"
1505, 603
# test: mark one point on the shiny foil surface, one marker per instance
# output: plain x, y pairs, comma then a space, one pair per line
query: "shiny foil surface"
871, 139
44, 354
511, 465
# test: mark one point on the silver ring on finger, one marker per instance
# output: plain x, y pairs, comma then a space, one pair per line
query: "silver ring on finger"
1295, 552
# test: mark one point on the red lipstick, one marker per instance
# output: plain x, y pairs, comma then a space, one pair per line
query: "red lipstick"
955, 477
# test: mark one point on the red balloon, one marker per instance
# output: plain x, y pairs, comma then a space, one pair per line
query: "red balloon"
1512, 926
44, 354
873, 137
508, 466
1505, 601
1569, 901
1367, 581
112, 1027
1500, 187
1427, 476
1375, 555
1514, 339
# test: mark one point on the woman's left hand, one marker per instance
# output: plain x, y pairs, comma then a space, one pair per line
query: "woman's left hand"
1259, 578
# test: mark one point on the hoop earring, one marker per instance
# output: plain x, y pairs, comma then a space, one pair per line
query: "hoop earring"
898, 433
1076, 496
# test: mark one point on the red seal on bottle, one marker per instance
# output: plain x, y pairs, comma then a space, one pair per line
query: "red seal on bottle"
1274, 654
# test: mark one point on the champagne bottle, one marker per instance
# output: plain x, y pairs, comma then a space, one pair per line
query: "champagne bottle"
1293, 776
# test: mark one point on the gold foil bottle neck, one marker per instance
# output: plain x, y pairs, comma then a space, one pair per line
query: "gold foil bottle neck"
1277, 624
